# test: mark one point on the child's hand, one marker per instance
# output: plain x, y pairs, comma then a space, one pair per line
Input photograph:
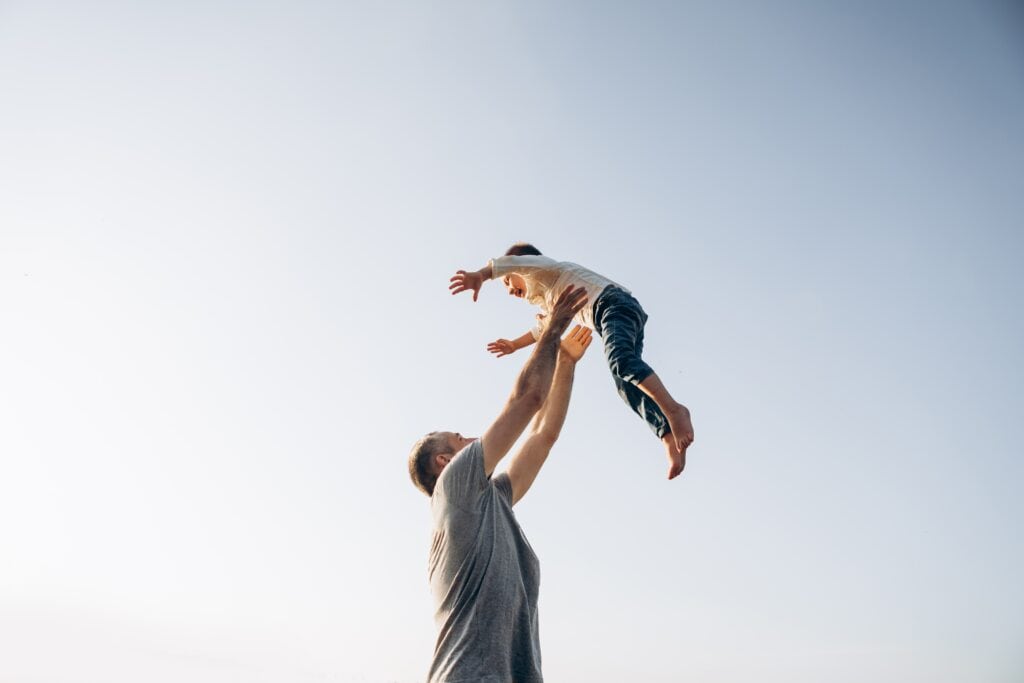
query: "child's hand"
463, 281
502, 347
575, 344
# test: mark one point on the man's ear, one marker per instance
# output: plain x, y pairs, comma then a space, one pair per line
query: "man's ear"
441, 459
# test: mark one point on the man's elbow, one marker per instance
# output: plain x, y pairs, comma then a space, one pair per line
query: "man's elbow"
531, 400
544, 439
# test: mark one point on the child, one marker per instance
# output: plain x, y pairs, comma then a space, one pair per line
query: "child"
615, 315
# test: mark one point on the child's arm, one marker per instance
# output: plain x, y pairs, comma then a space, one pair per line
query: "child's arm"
526, 266
466, 280
504, 347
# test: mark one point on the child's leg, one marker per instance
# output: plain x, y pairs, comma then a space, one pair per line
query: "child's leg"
644, 406
678, 415
620, 321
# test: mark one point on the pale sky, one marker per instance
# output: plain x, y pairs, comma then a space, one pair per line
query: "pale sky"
226, 232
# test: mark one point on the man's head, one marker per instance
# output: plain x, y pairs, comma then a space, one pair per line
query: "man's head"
431, 454
523, 249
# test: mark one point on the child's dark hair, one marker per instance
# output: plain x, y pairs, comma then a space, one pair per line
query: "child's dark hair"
523, 249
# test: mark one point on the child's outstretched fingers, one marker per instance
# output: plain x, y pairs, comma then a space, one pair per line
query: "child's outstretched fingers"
462, 281
501, 347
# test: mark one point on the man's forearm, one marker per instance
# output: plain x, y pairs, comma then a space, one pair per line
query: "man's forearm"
535, 378
551, 417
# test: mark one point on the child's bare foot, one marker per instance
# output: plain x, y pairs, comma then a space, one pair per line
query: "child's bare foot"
680, 425
676, 457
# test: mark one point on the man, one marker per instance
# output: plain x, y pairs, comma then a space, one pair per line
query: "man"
484, 575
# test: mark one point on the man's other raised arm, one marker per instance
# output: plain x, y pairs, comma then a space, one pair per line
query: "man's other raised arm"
534, 381
526, 464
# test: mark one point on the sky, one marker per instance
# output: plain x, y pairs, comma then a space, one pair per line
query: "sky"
226, 233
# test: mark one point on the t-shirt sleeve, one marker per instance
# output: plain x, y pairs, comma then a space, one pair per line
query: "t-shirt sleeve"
524, 265
503, 485
463, 479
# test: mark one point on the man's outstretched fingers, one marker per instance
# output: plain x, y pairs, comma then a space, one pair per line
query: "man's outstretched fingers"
569, 298
576, 298
581, 301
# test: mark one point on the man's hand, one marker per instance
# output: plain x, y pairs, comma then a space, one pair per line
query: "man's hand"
502, 347
570, 302
463, 281
576, 342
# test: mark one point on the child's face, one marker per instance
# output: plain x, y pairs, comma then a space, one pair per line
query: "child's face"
516, 285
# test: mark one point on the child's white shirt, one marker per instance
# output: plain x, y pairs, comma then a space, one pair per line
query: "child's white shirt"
546, 279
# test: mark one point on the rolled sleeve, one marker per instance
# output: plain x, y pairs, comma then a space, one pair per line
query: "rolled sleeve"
503, 265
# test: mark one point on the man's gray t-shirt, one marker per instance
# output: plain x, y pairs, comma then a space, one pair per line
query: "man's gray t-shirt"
484, 577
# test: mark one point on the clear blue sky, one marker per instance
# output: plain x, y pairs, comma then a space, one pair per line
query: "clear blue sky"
225, 237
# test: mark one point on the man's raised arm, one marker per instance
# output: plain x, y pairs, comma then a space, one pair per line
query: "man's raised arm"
534, 381
527, 462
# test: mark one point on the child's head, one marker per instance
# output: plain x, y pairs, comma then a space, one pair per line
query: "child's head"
523, 249
515, 284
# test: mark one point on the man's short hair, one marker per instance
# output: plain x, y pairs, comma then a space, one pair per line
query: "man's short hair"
422, 469
523, 249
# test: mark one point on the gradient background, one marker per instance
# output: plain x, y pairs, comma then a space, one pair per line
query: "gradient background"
226, 232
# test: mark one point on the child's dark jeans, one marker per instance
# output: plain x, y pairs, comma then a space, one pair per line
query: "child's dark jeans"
619, 320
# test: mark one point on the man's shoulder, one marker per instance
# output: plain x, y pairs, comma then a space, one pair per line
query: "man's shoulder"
462, 478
